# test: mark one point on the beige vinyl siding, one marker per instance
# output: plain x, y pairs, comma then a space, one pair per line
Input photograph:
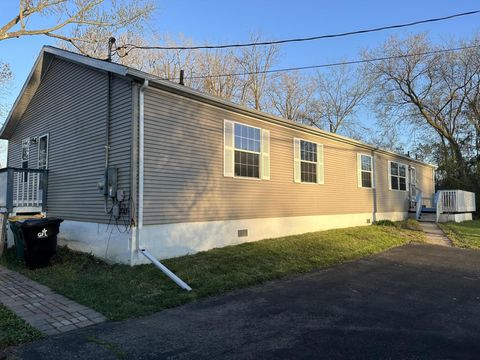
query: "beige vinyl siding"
184, 170
71, 106
396, 200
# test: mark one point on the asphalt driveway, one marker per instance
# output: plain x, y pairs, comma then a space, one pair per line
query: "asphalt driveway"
412, 302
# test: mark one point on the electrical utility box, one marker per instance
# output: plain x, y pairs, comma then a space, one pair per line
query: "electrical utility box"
107, 185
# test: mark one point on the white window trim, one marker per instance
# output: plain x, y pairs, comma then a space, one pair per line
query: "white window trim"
38, 150
261, 153
26, 142
360, 170
415, 169
407, 182
410, 168
320, 165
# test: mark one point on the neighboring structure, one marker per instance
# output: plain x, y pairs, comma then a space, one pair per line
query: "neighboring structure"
181, 171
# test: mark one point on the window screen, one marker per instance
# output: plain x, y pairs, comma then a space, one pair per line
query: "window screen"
43, 152
247, 151
366, 171
25, 157
308, 161
398, 176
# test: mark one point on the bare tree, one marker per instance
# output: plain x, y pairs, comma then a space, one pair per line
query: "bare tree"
471, 59
340, 93
5, 77
426, 89
290, 94
216, 64
73, 20
167, 64
255, 60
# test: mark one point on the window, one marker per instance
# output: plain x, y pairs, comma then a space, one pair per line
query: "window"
365, 171
413, 181
43, 152
247, 151
25, 157
308, 161
42, 158
398, 176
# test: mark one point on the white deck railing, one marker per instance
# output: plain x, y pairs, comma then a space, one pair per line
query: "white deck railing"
455, 201
23, 189
27, 190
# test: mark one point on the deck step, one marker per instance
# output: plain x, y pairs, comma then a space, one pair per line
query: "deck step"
428, 217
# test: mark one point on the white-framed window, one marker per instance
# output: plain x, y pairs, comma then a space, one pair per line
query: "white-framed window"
25, 157
413, 176
246, 151
43, 151
42, 158
413, 180
308, 162
365, 171
25, 153
397, 173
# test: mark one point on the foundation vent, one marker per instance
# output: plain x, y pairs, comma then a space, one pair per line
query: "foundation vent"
243, 233
368, 221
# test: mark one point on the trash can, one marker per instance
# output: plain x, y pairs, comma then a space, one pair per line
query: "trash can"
39, 237
17, 237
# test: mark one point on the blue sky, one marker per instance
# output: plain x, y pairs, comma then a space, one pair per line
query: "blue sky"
217, 21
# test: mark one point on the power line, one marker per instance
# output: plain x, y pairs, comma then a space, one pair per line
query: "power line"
351, 62
311, 38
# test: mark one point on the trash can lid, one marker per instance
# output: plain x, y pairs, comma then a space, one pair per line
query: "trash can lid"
40, 222
25, 217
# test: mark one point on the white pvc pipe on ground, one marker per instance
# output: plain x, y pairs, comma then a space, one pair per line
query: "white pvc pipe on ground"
166, 270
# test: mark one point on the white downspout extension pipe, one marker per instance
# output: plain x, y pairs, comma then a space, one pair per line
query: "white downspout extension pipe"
166, 270
141, 170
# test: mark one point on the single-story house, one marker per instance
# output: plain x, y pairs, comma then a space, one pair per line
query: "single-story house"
131, 161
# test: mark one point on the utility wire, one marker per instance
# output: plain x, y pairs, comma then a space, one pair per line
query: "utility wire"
351, 62
328, 36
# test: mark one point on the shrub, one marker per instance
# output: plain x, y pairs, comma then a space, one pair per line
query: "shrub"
384, 223
411, 224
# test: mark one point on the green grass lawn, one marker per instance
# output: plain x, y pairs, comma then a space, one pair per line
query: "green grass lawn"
120, 291
465, 234
14, 330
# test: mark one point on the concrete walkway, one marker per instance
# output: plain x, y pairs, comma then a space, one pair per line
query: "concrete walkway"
41, 307
434, 234
412, 302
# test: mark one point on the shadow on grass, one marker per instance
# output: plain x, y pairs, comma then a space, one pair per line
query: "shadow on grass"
120, 291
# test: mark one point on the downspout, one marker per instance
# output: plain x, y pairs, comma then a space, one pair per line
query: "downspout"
374, 192
141, 161
141, 171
